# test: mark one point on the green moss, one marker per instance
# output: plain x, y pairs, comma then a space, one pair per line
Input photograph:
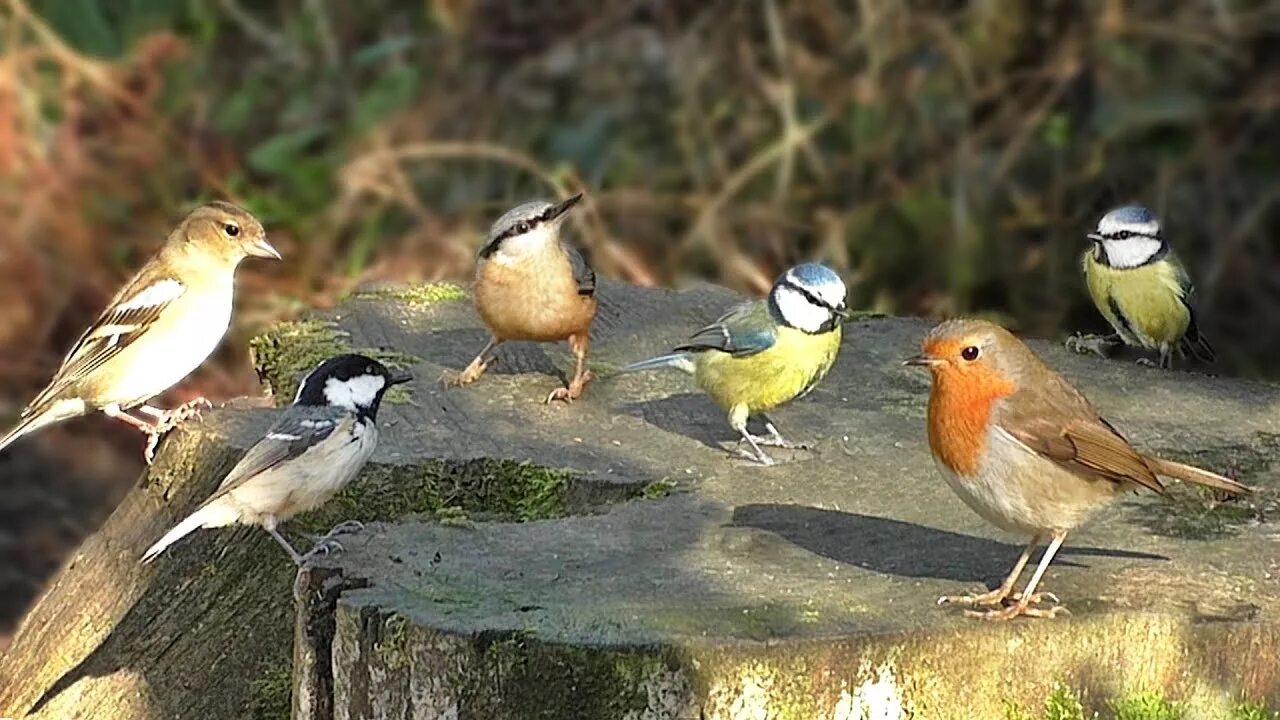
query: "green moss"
553, 681
271, 695
1146, 706
416, 294
1253, 711
287, 351
393, 647
1063, 704
497, 489
658, 489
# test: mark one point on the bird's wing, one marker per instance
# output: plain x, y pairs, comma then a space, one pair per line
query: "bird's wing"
745, 330
300, 429
1192, 341
1057, 422
133, 310
582, 272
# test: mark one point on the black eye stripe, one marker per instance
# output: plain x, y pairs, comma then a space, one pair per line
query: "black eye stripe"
1126, 234
808, 295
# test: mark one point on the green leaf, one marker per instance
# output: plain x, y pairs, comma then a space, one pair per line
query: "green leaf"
276, 154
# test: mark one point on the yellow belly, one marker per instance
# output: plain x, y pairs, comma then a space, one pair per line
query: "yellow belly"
761, 382
1149, 299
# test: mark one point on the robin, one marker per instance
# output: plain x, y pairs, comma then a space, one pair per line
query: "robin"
1026, 451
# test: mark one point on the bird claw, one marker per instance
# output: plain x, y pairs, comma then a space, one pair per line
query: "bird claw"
561, 393
1081, 344
324, 546
167, 420
345, 528
761, 459
573, 391
1020, 608
1146, 362
780, 442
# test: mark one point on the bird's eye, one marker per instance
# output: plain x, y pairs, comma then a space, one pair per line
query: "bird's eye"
231, 229
970, 353
1124, 234
522, 227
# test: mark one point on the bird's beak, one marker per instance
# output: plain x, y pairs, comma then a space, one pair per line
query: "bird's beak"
921, 361
263, 249
563, 207
399, 377
842, 312
1095, 237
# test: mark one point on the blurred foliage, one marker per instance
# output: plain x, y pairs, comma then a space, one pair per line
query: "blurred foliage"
947, 156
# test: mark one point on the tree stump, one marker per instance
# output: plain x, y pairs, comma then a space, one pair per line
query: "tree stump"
611, 558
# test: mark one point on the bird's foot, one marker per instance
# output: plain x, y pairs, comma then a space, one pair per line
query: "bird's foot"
1100, 345
755, 455
572, 392
469, 375
996, 597
780, 442
166, 420
1008, 612
323, 546
346, 528
1146, 362
991, 597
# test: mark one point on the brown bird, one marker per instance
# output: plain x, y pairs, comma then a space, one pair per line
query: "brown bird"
531, 285
1026, 451
160, 326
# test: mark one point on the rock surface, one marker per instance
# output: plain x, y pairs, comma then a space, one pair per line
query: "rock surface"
801, 590
609, 559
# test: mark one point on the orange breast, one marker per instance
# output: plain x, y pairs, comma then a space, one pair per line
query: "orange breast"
959, 411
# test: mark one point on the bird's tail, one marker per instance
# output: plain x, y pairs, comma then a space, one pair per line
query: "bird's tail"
1197, 344
1195, 475
212, 515
680, 361
38, 417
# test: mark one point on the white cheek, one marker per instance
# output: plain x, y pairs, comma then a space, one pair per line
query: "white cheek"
518, 247
799, 312
358, 392
1130, 253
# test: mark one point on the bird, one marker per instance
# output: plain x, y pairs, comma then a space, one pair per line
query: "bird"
1141, 288
766, 352
1026, 451
156, 330
317, 446
532, 285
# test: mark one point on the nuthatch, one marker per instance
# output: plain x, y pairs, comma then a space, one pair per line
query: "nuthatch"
531, 285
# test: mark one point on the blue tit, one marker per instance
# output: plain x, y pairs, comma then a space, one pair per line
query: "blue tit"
1139, 286
766, 352
316, 448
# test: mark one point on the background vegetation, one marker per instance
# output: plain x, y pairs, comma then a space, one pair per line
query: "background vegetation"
948, 157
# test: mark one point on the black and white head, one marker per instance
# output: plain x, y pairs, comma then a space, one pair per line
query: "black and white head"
1128, 237
353, 382
527, 228
809, 297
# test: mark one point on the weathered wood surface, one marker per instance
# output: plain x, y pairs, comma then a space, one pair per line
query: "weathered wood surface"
801, 590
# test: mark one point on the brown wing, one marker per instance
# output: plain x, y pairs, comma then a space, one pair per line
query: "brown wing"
133, 310
1056, 421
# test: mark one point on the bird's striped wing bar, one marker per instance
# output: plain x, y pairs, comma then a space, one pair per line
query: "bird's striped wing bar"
135, 309
301, 428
